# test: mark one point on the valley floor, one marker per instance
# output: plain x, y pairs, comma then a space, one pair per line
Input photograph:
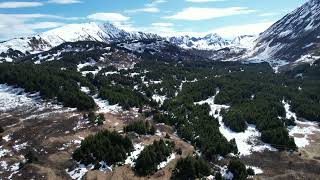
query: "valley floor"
55, 132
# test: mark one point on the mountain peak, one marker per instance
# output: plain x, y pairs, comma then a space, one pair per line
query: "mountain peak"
295, 35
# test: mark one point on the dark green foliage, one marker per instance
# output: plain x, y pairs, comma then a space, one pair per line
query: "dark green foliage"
93, 119
104, 146
238, 169
235, 121
278, 137
167, 136
218, 176
290, 122
250, 171
31, 157
140, 127
89, 68
123, 96
151, 156
51, 82
1, 130
191, 168
164, 118
194, 124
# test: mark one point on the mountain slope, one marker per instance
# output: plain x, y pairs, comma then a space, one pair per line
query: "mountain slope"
293, 37
72, 33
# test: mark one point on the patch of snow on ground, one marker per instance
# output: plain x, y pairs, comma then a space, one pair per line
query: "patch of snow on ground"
165, 163
105, 107
158, 98
19, 147
3, 165
85, 90
134, 155
225, 173
14, 169
112, 72
7, 138
246, 141
256, 169
3, 152
303, 129
78, 172
12, 98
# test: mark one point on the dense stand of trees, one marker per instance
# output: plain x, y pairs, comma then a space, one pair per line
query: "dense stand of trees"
50, 82
191, 168
106, 146
140, 127
151, 156
238, 169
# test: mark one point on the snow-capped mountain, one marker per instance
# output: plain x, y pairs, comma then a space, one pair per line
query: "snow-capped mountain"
292, 38
208, 42
212, 42
72, 33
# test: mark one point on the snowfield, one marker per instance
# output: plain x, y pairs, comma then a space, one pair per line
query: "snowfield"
303, 129
247, 141
165, 163
12, 98
134, 155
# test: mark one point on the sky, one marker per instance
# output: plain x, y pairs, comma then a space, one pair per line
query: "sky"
228, 18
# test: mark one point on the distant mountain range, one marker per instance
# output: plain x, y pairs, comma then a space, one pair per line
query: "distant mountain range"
294, 38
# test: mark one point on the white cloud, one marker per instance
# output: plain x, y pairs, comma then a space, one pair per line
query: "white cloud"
45, 25
201, 1
195, 14
162, 24
146, 9
112, 17
64, 1
245, 29
15, 4
155, 3
18, 25
268, 14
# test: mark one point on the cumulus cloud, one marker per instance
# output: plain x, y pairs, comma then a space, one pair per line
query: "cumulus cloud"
64, 1
20, 4
244, 29
146, 9
196, 14
45, 25
18, 25
162, 24
155, 3
202, 1
112, 17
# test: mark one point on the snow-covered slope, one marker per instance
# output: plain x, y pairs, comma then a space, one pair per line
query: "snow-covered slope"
212, 42
294, 36
208, 42
72, 33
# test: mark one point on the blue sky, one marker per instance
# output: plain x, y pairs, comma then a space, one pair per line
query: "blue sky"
166, 17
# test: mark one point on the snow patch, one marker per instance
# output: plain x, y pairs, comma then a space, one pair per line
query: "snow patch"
79, 172
134, 155
165, 163
159, 99
303, 130
19, 147
3, 152
105, 107
256, 169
